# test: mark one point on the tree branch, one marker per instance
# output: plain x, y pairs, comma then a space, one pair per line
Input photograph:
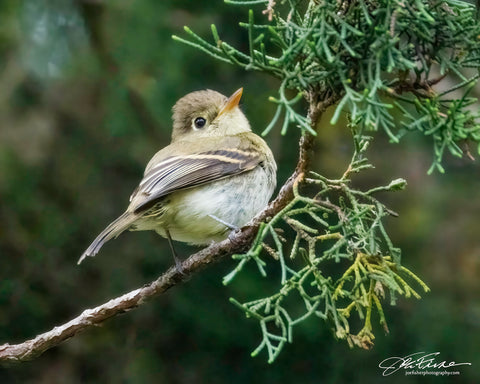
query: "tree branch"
238, 242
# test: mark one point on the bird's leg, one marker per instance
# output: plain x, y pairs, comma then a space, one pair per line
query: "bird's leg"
233, 228
178, 262
228, 225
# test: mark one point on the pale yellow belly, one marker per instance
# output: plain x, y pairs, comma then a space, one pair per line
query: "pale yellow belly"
235, 200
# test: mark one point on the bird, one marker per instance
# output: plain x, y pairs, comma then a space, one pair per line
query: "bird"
213, 177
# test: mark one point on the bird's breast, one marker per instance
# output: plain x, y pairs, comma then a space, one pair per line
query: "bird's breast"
234, 200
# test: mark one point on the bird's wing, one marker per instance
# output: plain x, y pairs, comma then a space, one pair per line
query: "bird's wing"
186, 171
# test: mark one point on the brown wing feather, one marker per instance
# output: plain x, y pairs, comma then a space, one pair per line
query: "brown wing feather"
186, 171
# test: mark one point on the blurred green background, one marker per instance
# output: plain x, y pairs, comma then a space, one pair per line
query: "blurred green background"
86, 90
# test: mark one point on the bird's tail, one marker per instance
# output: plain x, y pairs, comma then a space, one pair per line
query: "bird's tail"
114, 229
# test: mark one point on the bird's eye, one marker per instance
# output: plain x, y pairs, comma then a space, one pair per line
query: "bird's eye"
199, 122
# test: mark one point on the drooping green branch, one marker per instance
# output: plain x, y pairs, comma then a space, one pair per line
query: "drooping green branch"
334, 225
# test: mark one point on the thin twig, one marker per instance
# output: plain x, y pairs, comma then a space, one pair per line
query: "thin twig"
238, 242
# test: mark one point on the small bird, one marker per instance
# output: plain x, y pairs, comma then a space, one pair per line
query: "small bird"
213, 177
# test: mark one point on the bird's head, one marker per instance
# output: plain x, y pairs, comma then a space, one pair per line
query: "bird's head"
208, 114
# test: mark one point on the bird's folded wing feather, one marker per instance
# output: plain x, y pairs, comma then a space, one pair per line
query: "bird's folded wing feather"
186, 171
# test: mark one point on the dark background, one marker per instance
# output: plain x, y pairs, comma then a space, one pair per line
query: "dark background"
86, 90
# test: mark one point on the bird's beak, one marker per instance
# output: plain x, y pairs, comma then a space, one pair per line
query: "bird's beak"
232, 102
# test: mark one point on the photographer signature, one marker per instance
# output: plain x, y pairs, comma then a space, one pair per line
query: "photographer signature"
417, 360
